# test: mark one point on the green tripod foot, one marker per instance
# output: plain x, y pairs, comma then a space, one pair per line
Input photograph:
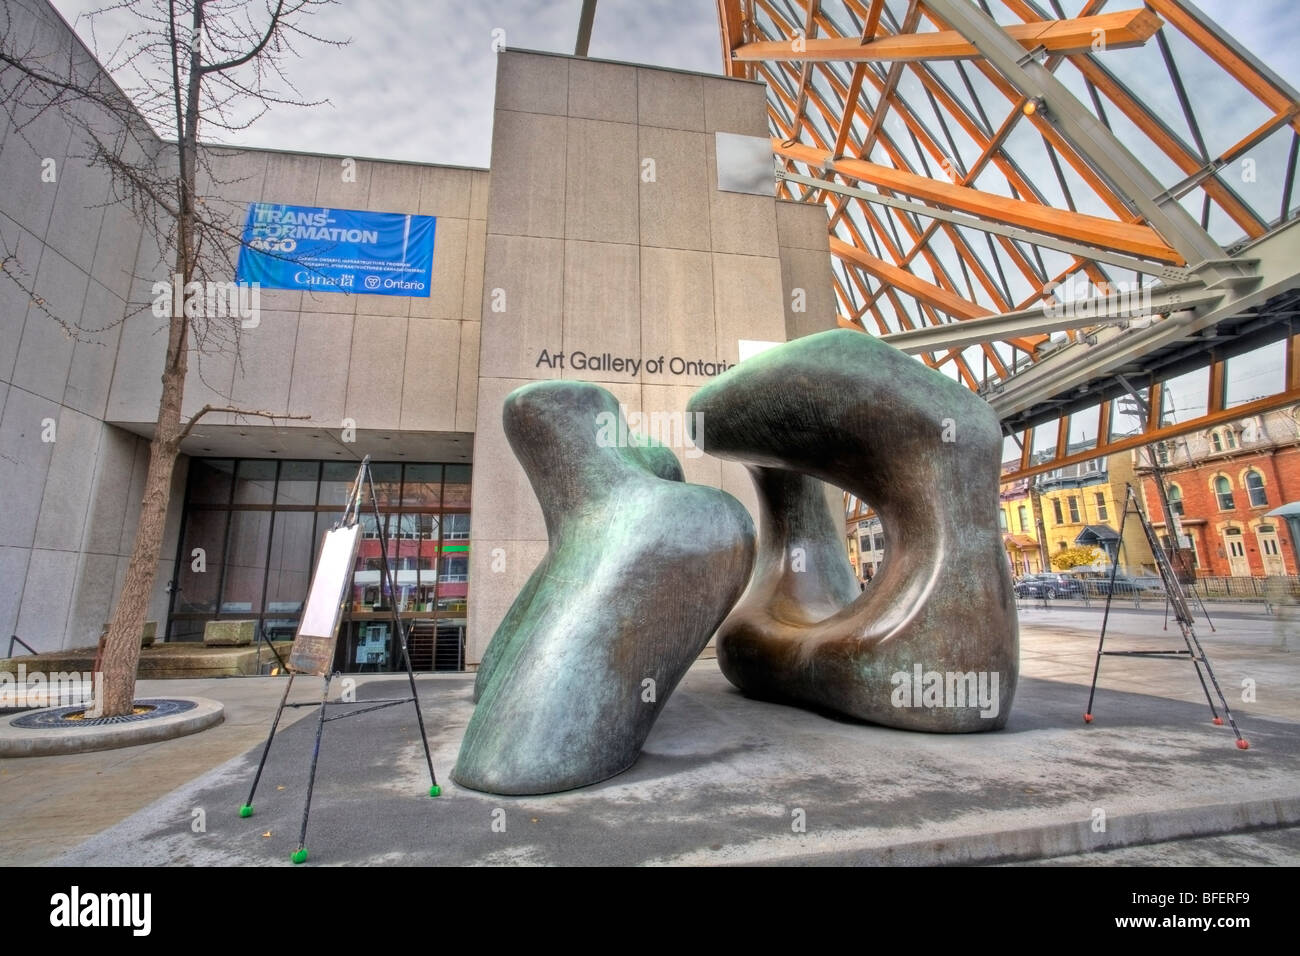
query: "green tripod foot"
435, 791
246, 810
299, 855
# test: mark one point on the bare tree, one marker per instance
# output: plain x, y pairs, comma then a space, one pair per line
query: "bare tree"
190, 67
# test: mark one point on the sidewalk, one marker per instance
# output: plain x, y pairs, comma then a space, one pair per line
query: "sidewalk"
722, 779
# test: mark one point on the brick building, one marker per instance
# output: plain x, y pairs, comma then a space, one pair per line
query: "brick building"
1221, 485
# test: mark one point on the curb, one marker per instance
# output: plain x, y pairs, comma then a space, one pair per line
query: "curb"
24, 742
1062, 839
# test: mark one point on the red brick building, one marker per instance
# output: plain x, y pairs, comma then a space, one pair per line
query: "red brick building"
1222, 483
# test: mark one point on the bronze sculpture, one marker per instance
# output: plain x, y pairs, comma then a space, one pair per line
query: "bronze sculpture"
641, 568
932, 644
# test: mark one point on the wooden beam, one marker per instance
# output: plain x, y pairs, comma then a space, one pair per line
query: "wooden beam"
1125, 28
1240, 70
732, 30
1257, 407
805, 73
1093, 230
1189, 163
905, 281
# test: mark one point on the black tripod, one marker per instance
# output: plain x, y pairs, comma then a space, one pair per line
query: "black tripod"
351, 511
1182, 614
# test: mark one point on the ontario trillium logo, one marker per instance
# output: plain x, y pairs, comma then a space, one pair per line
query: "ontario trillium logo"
75, 909
372, 282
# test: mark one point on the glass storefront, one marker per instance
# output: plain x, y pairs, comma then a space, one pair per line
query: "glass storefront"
250, 537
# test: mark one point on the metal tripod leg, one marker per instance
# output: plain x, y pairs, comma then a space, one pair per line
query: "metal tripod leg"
434, 789
1194, 645
401, 631
1105, 619
300, 855
247, 809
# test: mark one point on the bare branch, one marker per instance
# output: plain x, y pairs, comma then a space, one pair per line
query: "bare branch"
261, 44
207, 409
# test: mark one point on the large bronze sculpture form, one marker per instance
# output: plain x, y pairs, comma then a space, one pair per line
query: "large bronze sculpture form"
640, 570
932, 643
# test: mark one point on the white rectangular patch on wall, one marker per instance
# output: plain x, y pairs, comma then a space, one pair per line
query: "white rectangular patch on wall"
748, 348
745, 164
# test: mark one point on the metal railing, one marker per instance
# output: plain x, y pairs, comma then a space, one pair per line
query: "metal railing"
1278, 589
15, 639
1245, 588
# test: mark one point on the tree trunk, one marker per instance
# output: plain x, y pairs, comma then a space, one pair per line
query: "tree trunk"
122, 649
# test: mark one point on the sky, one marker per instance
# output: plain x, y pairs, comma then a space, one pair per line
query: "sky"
416, 81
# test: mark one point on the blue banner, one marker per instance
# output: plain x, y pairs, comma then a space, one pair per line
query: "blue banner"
336, 250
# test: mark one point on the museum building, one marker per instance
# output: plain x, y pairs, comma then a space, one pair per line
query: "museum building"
604, 244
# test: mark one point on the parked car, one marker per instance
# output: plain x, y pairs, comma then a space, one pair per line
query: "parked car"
1059, 585
1099, 582
1030, 587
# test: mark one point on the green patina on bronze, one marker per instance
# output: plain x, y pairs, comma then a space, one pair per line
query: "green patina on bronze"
925, 452
640, 570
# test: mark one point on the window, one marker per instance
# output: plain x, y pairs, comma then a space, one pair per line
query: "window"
1223, 491
1189, 548
260, 523
1024, 518
1056, 507
1074, 508
1223, 439
1102, 513
1002, 520
1162, 453
1255, 489
1175, 495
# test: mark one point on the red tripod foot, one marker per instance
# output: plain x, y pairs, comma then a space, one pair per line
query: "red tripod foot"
1087, 718
1242, 744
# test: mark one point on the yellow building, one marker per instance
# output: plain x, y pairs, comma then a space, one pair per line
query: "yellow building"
1079, 504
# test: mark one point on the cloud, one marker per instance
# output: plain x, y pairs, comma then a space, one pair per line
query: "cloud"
417, 80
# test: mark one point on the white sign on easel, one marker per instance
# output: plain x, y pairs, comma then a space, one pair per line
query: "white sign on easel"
313, 645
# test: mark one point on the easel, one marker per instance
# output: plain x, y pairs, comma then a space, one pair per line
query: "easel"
313, 648
1196, 599
1182, 614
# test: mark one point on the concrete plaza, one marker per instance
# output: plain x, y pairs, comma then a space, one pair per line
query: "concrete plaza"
726, 780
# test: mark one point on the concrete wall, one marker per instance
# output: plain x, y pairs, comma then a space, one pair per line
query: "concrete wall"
386, 362
606, 233
80, 366
374, 364
72, 483
805, 251
603, 232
